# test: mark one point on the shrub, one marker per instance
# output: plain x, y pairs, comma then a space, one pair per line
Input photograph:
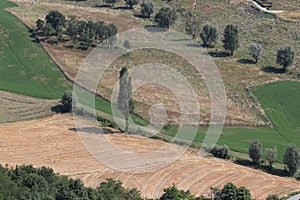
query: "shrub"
221, 151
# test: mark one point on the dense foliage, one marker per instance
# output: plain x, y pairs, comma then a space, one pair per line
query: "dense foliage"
209, 35
84, 32
285, 57
147, 8
165, 17
27, 182
231, 39
255, 151
292, 158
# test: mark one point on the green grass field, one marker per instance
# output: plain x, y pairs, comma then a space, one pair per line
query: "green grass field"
281, 100
25, 67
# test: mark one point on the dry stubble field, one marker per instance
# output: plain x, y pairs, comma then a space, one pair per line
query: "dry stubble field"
61, 148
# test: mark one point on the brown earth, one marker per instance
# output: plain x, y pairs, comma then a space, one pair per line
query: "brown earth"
53, 142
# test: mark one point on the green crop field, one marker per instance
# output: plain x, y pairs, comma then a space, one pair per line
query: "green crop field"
281, 100
25, 67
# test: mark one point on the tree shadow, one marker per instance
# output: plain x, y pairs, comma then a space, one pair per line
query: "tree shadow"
102, 6
155, 29
97, 130
33, 35
216, 54
264, 168
194, 45
246, 61
273, 70
59, 109
140, 16
122, 8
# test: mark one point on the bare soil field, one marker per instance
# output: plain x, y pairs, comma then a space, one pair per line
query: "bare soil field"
53, 142
16, 107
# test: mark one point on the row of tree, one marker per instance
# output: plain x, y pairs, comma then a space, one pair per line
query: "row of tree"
291, 156
209, 36
26, 182
56, 24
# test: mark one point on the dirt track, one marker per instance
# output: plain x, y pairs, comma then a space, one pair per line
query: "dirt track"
53, 142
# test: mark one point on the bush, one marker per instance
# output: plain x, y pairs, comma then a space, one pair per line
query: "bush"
221, 151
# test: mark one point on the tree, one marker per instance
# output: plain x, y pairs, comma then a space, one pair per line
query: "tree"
255, 151
271, 156
272, 197
229, 192
231, 39
209, 35
285, 57
147, 8
48, 30
131, 3
125, 93
72, 31
126, 45
40, 24
243, 194
165, 17
68, 100
255, 50
221, 151
292, 159
172, 193
192, 27
56, 20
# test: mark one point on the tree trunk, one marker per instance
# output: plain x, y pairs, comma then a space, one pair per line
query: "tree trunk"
126, 122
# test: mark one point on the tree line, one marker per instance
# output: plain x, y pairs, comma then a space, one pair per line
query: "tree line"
87, 33
26, 182
291, 156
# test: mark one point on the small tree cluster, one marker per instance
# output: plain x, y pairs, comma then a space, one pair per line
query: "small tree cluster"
230, 191
77, 31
